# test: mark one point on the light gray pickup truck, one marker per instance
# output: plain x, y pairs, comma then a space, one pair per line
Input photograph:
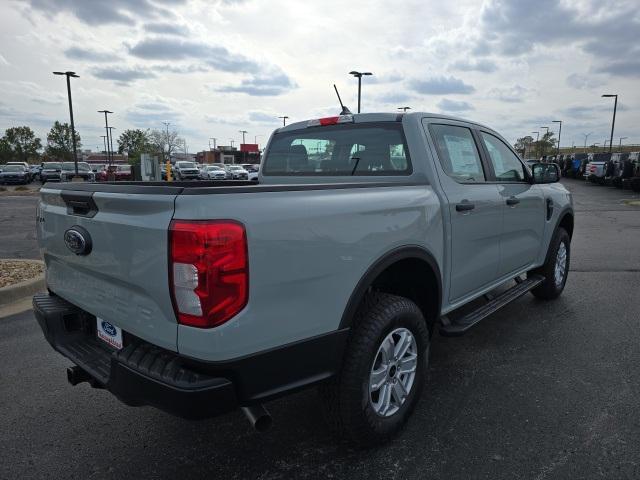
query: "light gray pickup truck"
364, 234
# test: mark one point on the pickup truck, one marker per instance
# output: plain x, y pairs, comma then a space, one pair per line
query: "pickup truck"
364, 235
597, 167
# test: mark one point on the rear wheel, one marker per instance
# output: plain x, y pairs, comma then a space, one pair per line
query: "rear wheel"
383, 371
555, 268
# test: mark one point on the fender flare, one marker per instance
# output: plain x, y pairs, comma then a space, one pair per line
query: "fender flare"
379, 266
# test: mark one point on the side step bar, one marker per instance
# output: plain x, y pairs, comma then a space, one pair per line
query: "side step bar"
463, 324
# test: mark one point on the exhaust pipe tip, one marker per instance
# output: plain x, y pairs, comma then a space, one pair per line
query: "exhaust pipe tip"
76, 375
258, 417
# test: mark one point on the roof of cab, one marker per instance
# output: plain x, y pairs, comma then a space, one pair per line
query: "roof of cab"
383, 117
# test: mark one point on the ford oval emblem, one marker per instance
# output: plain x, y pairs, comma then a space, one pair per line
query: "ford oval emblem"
78, 240
108, 328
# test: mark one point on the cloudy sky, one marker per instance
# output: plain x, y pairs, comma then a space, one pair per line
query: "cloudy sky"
212, 68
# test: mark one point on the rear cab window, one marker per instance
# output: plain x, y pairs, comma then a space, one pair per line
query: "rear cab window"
349, 149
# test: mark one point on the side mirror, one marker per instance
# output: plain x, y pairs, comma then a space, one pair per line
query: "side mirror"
545, 173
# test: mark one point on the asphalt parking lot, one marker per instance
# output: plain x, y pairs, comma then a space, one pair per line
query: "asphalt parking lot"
539, 390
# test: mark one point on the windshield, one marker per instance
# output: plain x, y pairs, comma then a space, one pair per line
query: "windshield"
213, 167
124, 168
186, 165
235, 167
339, 150
52, 166
13, 168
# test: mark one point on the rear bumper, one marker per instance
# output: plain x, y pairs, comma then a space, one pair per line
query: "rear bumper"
144, 374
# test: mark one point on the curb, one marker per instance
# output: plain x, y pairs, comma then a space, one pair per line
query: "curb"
18, 291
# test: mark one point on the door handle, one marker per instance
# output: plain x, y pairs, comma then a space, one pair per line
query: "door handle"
464, 206
512, 201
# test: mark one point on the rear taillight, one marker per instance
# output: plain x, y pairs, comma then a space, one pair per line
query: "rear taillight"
330, 120
208, 271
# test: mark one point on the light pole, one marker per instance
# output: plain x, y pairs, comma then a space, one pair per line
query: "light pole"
111, 142
166, 124
214, 142
613, 123
559, 134
284, 120
404, 109
586, 136
104, 140
255, 139
69, 75
243, 132
620, 144
544, 151
231, 140
359, 75
537, 144
106, 127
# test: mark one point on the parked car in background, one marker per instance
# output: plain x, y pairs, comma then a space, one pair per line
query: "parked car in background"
50, 172
213, 172
596, 167
614, 169
252, 169
237, 172
123, 173
183, 170
68, 171
14, 174
26, 166
34, 171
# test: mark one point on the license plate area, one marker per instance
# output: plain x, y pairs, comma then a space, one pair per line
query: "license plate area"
109, 333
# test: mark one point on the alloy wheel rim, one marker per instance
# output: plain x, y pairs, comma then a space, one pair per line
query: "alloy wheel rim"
393, 372
561, 264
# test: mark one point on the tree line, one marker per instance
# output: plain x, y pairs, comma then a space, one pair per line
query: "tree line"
21, 144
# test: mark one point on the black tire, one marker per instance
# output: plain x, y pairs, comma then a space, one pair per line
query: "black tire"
551, 289
346, 399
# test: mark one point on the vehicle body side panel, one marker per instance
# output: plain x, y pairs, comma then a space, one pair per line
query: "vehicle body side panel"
308, 250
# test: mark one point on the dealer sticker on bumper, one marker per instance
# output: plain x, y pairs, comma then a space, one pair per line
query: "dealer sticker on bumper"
109, 333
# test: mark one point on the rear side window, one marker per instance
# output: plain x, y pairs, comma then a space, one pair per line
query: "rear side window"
506, 164
458, 153
339, 150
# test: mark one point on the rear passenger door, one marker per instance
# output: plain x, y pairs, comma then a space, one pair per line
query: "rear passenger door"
474, 209
523, 205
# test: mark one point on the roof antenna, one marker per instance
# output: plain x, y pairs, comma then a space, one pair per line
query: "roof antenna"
345, 110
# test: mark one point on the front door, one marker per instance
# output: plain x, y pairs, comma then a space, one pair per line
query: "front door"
474, 209
522, 203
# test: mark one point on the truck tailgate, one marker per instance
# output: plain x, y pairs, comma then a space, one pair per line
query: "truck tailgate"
124, 278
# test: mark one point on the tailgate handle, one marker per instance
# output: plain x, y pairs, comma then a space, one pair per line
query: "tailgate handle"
80, 204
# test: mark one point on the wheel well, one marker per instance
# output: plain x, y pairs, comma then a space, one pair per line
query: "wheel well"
414, 279
567, 223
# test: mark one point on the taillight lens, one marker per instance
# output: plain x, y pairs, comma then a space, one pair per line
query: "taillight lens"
208, 271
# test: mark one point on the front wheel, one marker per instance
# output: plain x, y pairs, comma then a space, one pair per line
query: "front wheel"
556, 267
383, 371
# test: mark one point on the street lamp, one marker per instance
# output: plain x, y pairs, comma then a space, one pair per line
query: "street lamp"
284, 120
106, 127
111, 142
214, 142
537, 144
359, 76
69, 75
613, 123
255, 139
231, 140
166, 124
620, 144
243, 132
404, 109
104, 140
559, 134
586, 135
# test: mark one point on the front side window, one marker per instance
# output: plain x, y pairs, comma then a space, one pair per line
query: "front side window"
458, 153
506, 165
339, 150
